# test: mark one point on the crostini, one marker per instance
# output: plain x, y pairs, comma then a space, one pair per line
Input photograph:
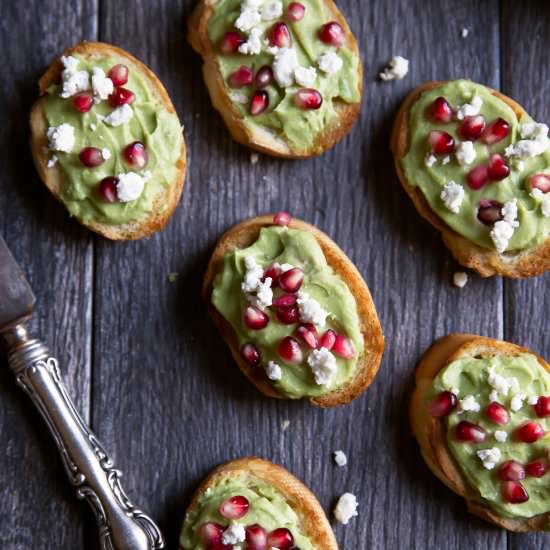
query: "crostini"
480, 411
107, 142
285, 76
252, 503
295, 312
477, 167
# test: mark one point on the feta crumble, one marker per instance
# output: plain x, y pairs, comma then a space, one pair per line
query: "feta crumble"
253, 46
73, 81
274, 371
248, 19
305, 76
469, 403
460, 279
272, 11
253, 275
330, 62
464, 32
106, 153
346, 508
323, 366
533, 399
234, 534
469, 109
465, 153
501, 436
264, 294
284, 65
61, 138
430, 160
452, 196
517, 402
340, 458
311, 310
101, 84
121, 115
504, 229
53, 161
489, 457
129, 187
397, 69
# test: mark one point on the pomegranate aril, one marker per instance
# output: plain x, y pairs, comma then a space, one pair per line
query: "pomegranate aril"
291, 280
259, 102
243, 76
472, 127
540, 181
328, 339
290, 351
489, 211
514, 492
296, 11
234, 507
121, 96
308, 334
83, 102
441, 111
477, 177
211, 533
285, 300
343, 347
107, 189
537, 467
466, 431
136, 154
264, 76
119, 75
255, 318
251, 355
308, 99
441, 143
279, 36
333, 34
282, 218
91, 157
497, 413
288, 315
498, 169
496, 131
530, 432
511, 471
442, 404
280, 538
542, 407
256, 537
273, 271
230, 42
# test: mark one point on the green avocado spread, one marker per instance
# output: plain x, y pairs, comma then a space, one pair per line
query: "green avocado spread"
267, 508
298, 127
151, 124
532, 224
477, 377
321, 285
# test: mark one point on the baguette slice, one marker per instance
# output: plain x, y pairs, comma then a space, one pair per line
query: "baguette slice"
429, 431
260, 139
53, 177
246, 233
526, 263
312, 516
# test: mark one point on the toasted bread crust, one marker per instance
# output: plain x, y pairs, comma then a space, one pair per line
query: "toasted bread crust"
246, 233
429, 431
299, 497
52, 177
258, 139
487, 263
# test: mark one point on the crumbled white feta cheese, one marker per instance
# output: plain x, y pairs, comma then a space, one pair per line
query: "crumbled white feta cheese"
272, 11
545, 205
446, 159
121, 115
330, 62
53, 161
430, 160
469, 403
305, 76
105, 153
264, 294
469, 109
536, 193
464, 32
284, 65
72, 80
233, 534
510, 212
102, 85
533, 399
452, 196
323, 365
533, 130
283, 267
493, 396
489, 457
251, 4
514, 384
517, 402
527, 148
253, 46
500, 384
501, 436
465, 153
340, 458
460, 279
129, 187
504, 229
285, 424
253, 276
273, 371
61, 138
311, 310
396, 69
248, 19
346, 508
272, 50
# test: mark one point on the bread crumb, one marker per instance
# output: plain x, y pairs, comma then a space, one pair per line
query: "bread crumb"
460, 279
464, 32
340, 458
285, 424
254, 158
173, 277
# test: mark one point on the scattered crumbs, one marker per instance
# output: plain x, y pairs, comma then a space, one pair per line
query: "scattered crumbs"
52, 162
254, 158
340, 458
396, 69
173, 277
346, 508
464, 32
460, 279
285, 424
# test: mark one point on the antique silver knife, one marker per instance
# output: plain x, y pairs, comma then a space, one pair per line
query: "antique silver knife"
89, 467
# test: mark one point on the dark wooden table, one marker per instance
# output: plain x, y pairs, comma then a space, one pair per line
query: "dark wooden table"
139, 353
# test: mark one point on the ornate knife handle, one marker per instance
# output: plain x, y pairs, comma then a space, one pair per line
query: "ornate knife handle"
90, 470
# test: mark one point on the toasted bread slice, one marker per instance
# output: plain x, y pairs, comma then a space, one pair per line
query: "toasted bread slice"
257, 138
518, 264
246, 233
429, 430
310, 513
164, 204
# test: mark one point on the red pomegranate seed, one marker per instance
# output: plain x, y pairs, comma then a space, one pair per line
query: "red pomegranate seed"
530, 432
496, 131
280, 538
498, 169
288, 315
466, 431
333, 34
472, 127
136, 154
259, 102
497, 413
83, 102
234, 507
256, 537
290, 351
477, 177
308, 333
537, 467
91, 157
291, 280
273, 272
328, 340
308, 99
296, 11
251, 355
279, 36
107, 189
441, 143
221, 546
211, 533
282, 218
343, 347
514, 492
285, 300
489, 211
264, 76
443, 404
540, 181
441, 111
243, 76
121, 96
511, 471
230, 42
255, 318
542, 407
119, 75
